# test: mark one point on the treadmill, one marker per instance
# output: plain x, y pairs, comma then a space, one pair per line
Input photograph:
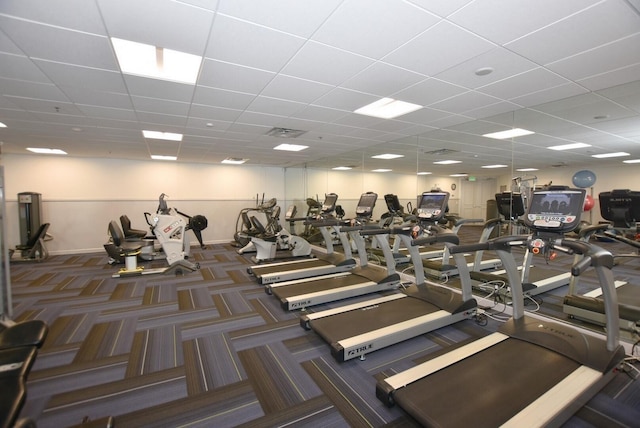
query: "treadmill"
361, 280
511, 206
622, 208
537, 372
444, 269
358, 329
330, 262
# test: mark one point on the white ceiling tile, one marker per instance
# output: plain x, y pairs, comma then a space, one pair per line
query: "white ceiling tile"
31, 90
428, 92
21, 68
85, 17
313, 61
575, 34
470, 100
294, 89
154, 105
108, 113
344, 99
221, 98
598, 61
376, 31
144, 87
7, 45
88, 49
274, 106
440, 47
441, 7
251, 45
424, 116
260, 119
103, 99
375, 80
214, 113
161, 122
320, 114
534, 80
217, 74
163, 23
546, 95
611, 78
291, 16
503, 62
502, 21
85, 77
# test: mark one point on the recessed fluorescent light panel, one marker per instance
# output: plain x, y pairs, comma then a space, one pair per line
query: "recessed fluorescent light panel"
234, 161
387, 156
447, 162
162, 157
290, 147
381, 170
569, 146
509, 133
526, 169
494, 166
424, 173
43, 151
458, 175
611, 155
632, 161
2, 125
341, 168
156, 135
387, 108
155, 62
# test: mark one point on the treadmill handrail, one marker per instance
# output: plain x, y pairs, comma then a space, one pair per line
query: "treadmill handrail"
499, 243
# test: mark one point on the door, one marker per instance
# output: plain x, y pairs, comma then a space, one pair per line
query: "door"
474, 196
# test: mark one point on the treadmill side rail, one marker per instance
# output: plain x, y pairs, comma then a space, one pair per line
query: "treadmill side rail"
385, 388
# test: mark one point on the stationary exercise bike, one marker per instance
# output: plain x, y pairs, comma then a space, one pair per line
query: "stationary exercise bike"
169, 227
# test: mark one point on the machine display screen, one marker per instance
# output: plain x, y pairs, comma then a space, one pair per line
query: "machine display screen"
555, 210
393, 204
510, 204
622, 207
433, 205
329, 204
366, 203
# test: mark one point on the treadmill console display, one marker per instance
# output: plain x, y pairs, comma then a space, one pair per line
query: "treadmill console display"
329, 203
393, 203
510, 204
365, 204
555, 210
433, 205
622, 207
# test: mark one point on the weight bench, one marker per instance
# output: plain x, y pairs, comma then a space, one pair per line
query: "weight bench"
34, 249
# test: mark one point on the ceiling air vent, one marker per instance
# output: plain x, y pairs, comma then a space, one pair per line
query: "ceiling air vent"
440, 152
559, 165
285, 133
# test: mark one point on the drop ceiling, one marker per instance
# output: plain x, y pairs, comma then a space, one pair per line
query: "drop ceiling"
567, 70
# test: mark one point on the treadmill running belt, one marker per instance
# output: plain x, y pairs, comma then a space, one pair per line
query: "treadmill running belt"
317, 285
306, 264
353, 323
487, 389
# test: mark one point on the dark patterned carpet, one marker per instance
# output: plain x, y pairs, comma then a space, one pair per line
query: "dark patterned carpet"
211, 348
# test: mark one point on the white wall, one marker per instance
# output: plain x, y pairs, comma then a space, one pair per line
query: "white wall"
80, 196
